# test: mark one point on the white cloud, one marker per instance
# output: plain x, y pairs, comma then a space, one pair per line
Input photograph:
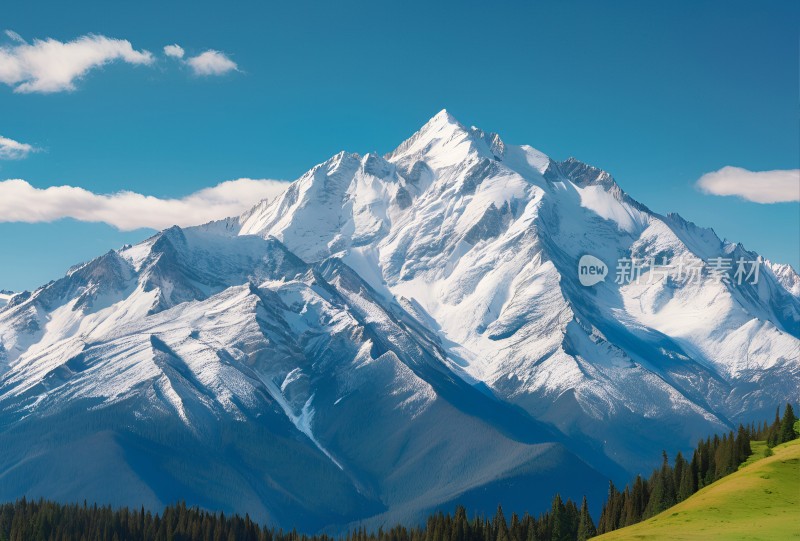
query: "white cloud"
49, 65
21, 202
14, 150
174, 51
53, 66
13, 36
211, 63
778, 186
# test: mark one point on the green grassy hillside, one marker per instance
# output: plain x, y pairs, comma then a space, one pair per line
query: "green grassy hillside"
760, 501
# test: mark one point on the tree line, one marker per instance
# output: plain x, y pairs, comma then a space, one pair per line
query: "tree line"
712, 459
44, 520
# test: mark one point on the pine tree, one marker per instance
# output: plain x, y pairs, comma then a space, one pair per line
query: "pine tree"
639, 499
628, 515
773, 434
712, 446
700, 461
461, 530
686, 486
609, 517
500, 526
722, 458
560, 528
515, 530
586, 527
662, 491
531, 535
743, 444
677, 471
786, 432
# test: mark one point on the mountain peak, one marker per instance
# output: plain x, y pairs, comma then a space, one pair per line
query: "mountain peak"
444, 116
447, 141
442, 121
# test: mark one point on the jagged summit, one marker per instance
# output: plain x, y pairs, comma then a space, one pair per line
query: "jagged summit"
442, 136
440, 119
441, 143
362, 197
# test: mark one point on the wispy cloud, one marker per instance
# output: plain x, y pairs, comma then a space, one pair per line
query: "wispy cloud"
21, 202
50, 65
174, 51
211, 63
207, 63
778, 186
13, 36
14, 150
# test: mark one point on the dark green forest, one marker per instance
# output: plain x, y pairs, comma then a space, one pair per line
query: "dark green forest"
711, 460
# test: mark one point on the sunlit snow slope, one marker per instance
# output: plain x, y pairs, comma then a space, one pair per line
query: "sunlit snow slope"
390, 335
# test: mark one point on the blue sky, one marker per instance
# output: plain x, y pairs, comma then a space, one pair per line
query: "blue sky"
656, 93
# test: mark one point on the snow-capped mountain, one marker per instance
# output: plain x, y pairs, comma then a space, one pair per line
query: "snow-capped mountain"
390, 335
5, 296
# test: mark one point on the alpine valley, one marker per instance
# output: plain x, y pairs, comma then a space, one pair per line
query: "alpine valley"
390, 336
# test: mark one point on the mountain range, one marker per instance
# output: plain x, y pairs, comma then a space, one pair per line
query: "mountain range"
392, 335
